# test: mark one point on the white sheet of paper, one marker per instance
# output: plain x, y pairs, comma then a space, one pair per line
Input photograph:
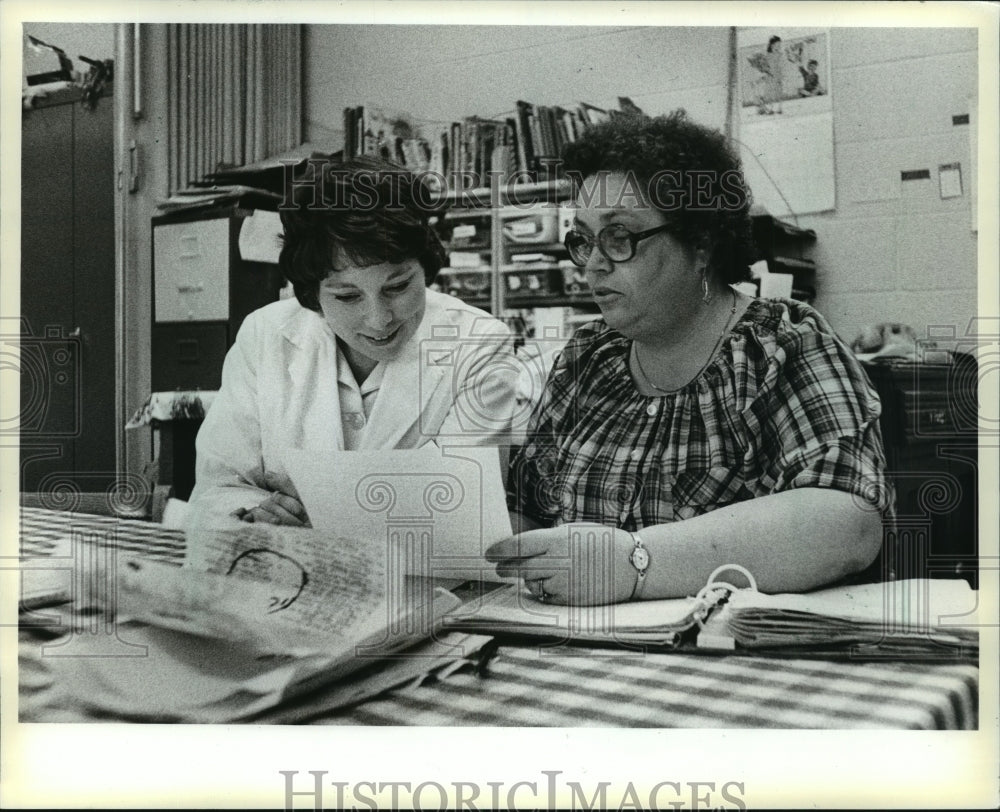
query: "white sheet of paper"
950, 178
776, 285
260, 237
434, 510
788, 162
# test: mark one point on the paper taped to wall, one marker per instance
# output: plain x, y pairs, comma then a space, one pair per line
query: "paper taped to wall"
260, 237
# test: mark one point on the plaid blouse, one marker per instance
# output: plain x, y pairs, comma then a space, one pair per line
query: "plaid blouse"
783, 404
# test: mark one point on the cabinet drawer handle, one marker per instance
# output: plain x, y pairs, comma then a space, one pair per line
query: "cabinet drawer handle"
190, 288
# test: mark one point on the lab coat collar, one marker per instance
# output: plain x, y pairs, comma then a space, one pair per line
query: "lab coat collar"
409, 381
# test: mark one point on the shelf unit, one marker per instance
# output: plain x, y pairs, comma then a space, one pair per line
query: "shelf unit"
786, 248
499, 210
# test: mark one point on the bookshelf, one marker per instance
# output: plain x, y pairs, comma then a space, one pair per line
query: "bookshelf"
502, 198
500, 189
506, 254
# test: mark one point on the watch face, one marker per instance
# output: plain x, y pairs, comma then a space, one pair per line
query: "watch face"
640, 558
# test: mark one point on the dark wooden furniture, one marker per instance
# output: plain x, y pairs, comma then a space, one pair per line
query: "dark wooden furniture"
929, 426
67, 331
786, 248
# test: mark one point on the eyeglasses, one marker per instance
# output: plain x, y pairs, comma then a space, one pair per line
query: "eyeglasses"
615, 242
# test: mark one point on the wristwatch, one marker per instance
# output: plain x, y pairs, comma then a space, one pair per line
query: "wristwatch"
638, 558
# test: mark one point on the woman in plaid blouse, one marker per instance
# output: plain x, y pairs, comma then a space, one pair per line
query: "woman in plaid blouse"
690, 426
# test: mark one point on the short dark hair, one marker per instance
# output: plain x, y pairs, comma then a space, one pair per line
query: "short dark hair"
365, 209
678, 163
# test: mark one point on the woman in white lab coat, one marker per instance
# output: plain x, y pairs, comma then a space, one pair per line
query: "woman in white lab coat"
364, 357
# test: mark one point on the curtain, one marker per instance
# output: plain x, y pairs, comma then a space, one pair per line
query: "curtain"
234, 96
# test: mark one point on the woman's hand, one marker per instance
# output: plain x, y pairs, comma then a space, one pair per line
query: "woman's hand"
278, 508
579, 564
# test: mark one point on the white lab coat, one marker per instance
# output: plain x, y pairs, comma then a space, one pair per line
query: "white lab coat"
453, 384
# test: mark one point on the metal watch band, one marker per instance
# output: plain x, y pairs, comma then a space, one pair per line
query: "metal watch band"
638, 558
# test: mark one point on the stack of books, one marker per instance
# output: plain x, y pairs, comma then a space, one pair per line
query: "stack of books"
542, 131
476, 152
388, 134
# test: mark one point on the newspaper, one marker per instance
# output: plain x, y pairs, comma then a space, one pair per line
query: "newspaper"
257, 616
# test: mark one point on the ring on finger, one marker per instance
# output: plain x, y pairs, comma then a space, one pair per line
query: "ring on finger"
540, 592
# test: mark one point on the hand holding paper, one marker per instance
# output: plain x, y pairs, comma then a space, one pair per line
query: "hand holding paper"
432, 511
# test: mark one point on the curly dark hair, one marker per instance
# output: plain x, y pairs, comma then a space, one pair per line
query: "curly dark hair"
687, 171
366, 210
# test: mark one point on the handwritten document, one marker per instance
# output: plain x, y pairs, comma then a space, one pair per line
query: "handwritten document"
431, 511
298, 582
256, 616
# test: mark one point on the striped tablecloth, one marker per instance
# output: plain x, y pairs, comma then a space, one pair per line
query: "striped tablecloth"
525, 685
44, 533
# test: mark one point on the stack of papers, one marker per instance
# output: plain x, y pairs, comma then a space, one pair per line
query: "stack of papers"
200, 197
174, 677
269, 615
919, 617
513, 611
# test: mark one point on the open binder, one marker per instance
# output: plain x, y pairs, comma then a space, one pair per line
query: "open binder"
931, 618
916, 619
515, 612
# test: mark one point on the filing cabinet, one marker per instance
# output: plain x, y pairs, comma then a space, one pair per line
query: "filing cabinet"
191, 271
202, 291
930, 429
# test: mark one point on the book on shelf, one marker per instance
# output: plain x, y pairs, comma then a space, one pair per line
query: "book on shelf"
542, 131
522, 135
389, 134
592, 115
537, 146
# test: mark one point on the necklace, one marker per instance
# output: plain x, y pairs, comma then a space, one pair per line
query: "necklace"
715, 349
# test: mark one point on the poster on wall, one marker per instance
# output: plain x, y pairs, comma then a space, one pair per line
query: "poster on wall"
786, 118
